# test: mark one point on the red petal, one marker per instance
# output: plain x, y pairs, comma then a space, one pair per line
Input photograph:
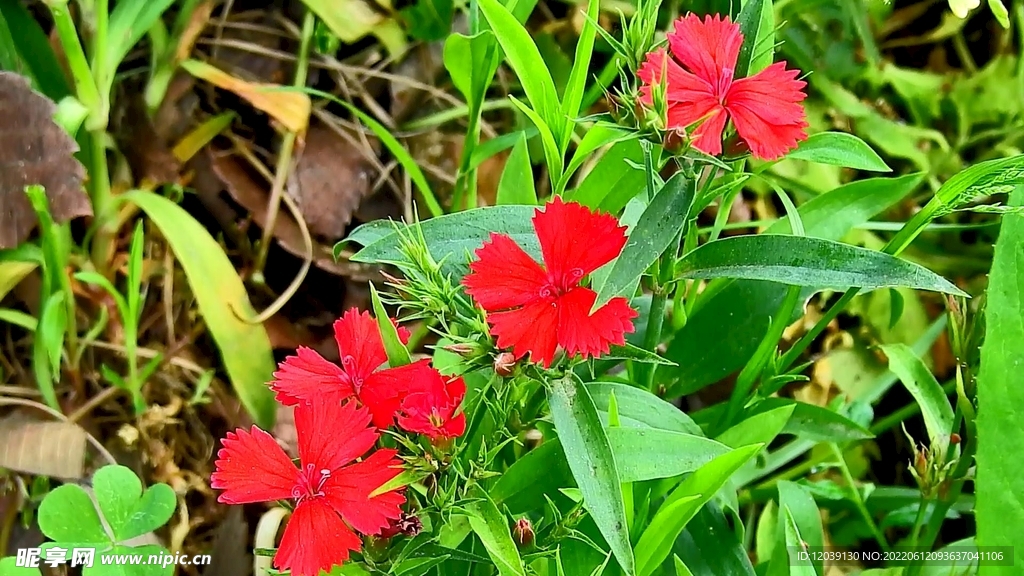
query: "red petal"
348, 492
456, 389
503, 276
592, 335
576, 241
767, 112
252, 467
708, 48
360, 344
455, 427
530, 329
707, 137
331, 435
307, 376
315, 539
382, 392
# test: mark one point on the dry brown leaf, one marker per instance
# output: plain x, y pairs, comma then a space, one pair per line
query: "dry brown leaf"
253, 197
147, 153
330, 181
35, 151
291, 109
54, 449
200, 17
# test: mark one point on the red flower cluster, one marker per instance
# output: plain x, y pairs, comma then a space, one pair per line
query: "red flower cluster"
537, 309
335, 406
765, 108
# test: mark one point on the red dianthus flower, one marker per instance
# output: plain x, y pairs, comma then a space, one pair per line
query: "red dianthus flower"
331, 492
536, 309
765, 108
308, 376
431, 410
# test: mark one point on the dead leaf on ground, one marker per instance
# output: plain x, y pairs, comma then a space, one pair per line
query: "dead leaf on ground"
246, 47
230, 554
330, 181
147, 153
424, 64
291, 109
253, 197
35, 151
54, 449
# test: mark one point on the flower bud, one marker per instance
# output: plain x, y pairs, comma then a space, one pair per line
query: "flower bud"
505, 364
522, 533
406, 525
954, 438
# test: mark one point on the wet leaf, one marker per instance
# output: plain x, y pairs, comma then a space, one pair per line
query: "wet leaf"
54, 449
35, 151
290, 108
329, 182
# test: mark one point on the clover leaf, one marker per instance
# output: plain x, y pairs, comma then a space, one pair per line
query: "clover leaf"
69, 517
9, 567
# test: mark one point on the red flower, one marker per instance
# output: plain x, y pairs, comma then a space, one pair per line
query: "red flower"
308, 376
765, 108
431, 410
535, 309
332, 494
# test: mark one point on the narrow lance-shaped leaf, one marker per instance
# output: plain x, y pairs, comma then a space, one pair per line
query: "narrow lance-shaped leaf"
589, 454
840, 149
926, 390
398, 354
659, 225
517, 185
491, 526
1000, 484
807, 261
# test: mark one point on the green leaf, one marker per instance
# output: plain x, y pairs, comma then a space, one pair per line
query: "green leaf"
759, 428
807, 261
577, 84
659, 225
643, 454
53, 327
681, 569
663, 531
1000, 12
926, 390
726, 327
524, 57
9, 567
453, 237
999, 484
68, 515
491, 526
468, 60
599, 135
978, 181
793, 540
34, 49
817, 423
128, 569
429, 20
9, 59
129, 22
614, 180
840, 149
548, 139
12, 273
799, 504
541, 471
129, 511
653, 548
710, 530
398, 354
639, 408
589, 454
517, 185
757, 24
244, 347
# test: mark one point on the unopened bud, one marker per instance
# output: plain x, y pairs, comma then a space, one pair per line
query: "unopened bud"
522, 533
505, 364
921, 463
406, 525
954, 438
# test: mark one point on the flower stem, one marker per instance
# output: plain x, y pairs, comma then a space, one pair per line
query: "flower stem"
652, 335
858, 501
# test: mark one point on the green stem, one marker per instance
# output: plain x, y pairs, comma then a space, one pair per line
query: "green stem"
102, 202
284, 157
85, 85
858, 501
652, 336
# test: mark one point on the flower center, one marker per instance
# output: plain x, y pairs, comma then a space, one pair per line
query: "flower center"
724, 83
435, 419
348, 362
558, 285
310, 483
